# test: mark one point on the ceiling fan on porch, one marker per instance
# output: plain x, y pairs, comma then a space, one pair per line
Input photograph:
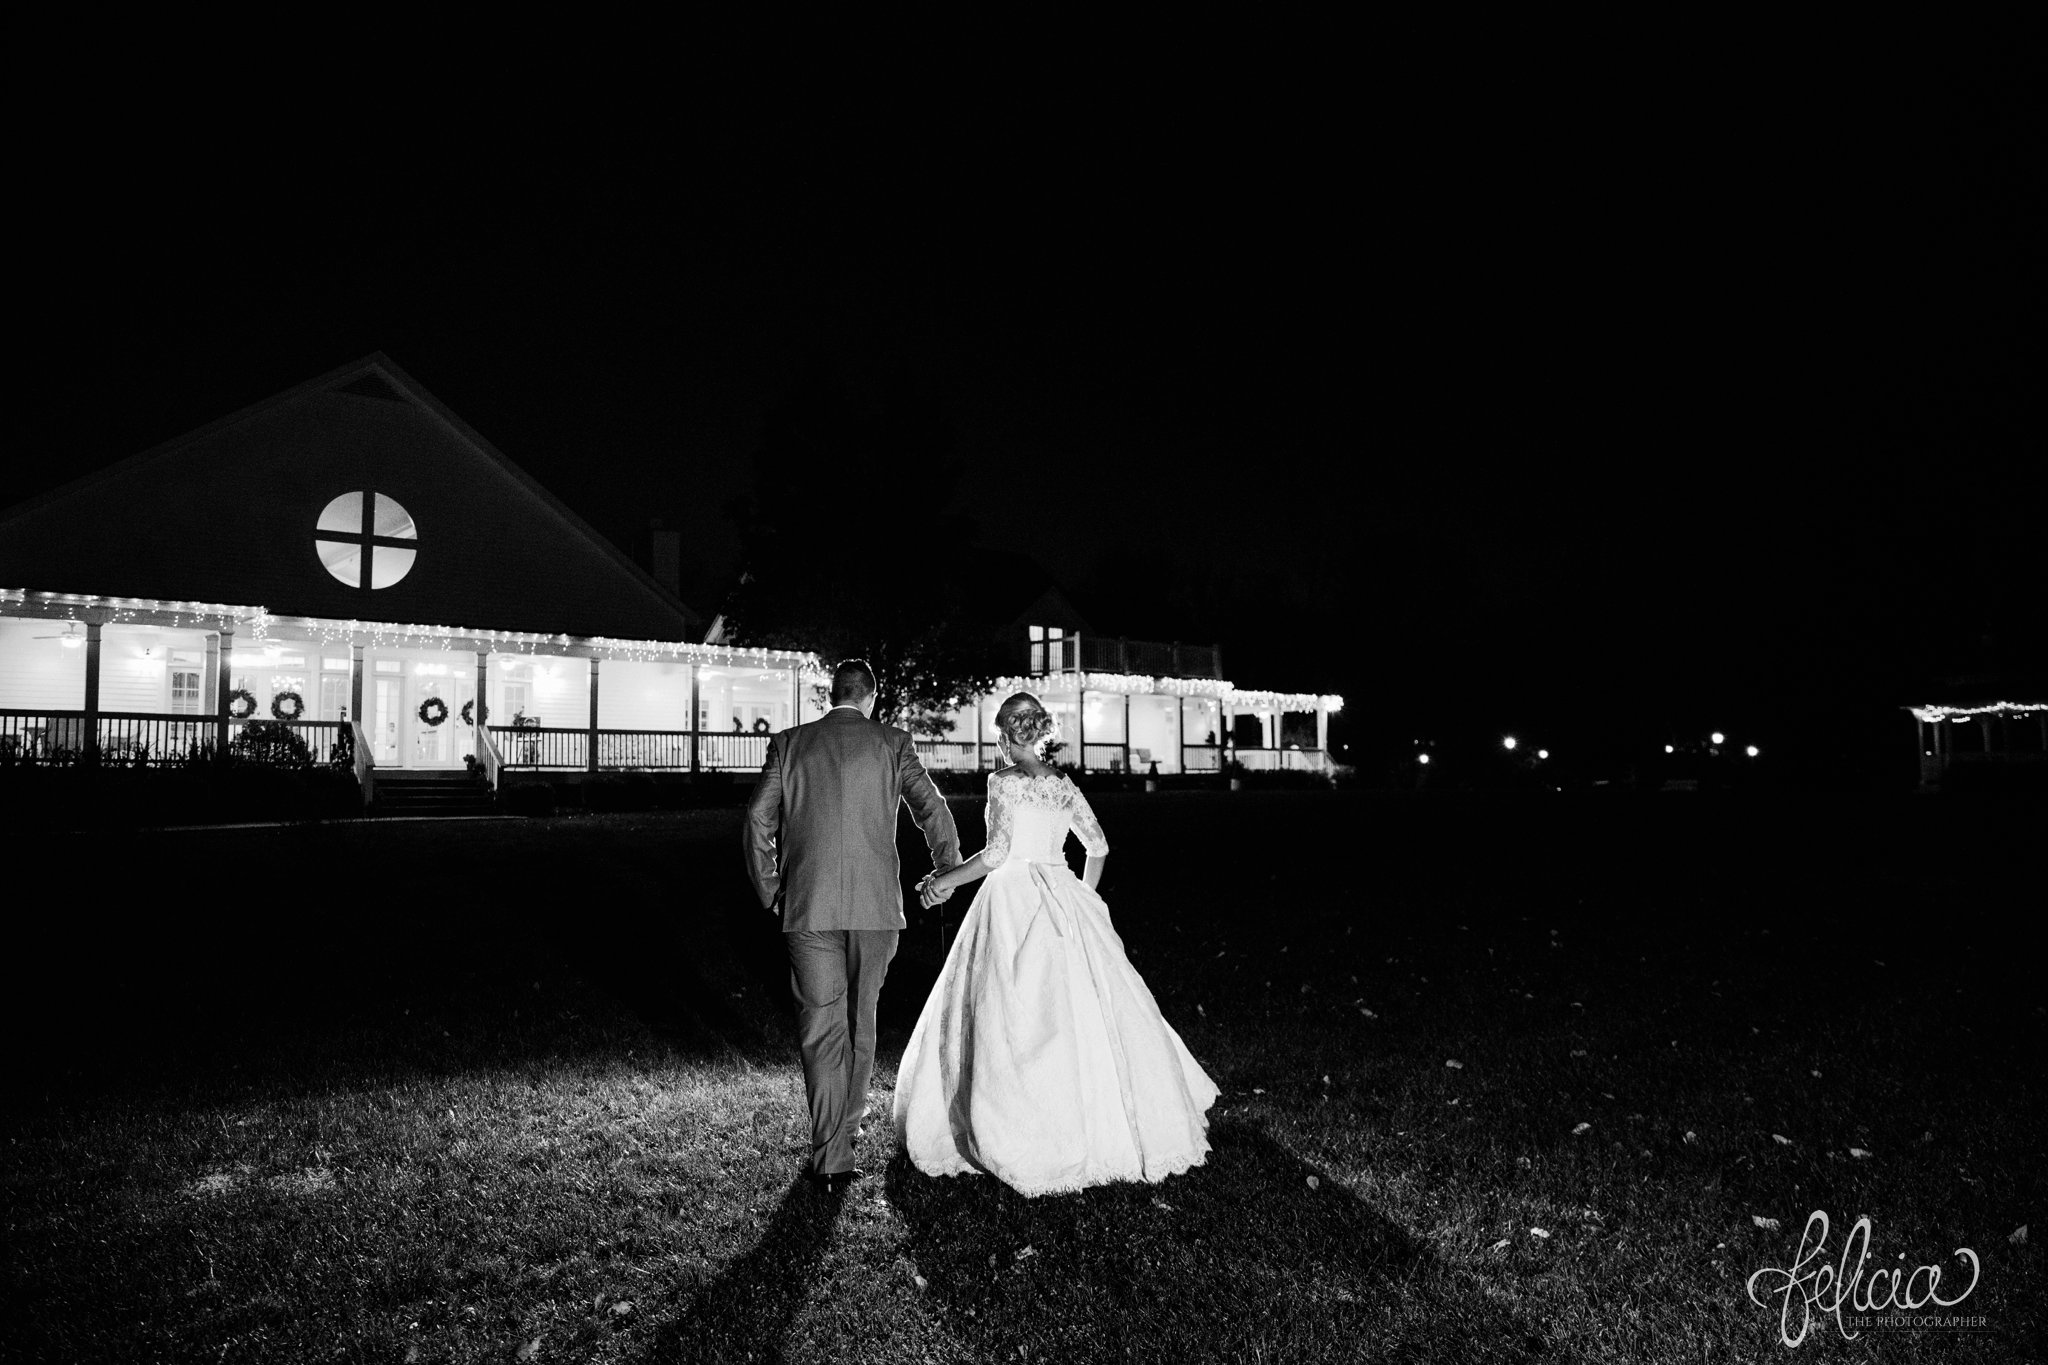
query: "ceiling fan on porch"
71, 636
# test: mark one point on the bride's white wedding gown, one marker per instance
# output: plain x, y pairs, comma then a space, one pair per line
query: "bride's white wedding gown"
1040, 1057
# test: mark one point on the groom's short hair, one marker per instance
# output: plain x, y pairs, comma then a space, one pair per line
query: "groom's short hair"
852, 680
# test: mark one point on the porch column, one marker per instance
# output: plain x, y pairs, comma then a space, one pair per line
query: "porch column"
1180, 724
1081, 726
1323, 730
224, 681
209, 677
590, 759
478, 735
92, 693
355, 687
980, 760
1127, 732
696, 721
796, 696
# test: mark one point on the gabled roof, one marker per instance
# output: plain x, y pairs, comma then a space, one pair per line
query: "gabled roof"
1010, 587
227, 514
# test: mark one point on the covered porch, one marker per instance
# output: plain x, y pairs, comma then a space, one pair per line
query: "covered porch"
1128, 723
153, 683
2000, 737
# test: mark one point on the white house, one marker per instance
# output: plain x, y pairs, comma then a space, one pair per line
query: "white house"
351, 556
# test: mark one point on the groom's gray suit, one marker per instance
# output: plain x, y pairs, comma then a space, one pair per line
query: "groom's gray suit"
821, 842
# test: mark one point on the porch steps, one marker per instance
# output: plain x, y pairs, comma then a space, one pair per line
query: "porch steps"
431, 792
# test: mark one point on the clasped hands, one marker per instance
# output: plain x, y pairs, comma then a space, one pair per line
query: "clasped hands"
929, 892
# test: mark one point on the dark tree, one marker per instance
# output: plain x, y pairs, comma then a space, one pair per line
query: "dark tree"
849, 550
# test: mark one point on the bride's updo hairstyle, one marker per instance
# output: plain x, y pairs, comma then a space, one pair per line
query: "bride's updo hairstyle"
1024, 721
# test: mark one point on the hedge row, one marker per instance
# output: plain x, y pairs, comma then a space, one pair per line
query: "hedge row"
621, 792
43, 797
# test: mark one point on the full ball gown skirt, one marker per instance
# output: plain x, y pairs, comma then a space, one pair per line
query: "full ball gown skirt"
1040, 1056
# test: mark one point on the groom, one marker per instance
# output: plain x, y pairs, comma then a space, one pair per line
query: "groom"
821, 846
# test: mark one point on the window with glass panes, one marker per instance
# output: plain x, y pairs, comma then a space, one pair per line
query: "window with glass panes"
1045, 648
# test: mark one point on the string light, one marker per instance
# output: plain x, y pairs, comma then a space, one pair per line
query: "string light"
1934, 714
258, 625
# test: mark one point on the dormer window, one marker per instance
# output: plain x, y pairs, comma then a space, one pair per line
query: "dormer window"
1047, 656
366, 531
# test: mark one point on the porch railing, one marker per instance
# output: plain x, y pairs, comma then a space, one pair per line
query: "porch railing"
489, 760
530, 746
150, 739
665, 749
954, 755
539, 746
719, 751
1282, 760
732, 751
365, 763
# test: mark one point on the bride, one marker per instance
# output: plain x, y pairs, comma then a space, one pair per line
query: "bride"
1040, 1057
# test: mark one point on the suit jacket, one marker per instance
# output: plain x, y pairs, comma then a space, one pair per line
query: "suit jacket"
821, 829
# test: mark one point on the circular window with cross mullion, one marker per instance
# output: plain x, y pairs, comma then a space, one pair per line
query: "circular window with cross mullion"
366, 540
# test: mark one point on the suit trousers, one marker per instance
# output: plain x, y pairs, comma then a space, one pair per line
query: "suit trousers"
836, 976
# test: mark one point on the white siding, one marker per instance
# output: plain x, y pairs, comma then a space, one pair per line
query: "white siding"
39, 674
129, 682
558, 696
642, 696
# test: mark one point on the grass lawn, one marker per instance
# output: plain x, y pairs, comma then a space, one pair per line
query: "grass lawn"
1503, 1080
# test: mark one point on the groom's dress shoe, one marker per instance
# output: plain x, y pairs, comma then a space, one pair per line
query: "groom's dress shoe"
835, 1182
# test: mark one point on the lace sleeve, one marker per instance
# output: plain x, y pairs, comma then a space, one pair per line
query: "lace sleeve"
996, 851
1086, 827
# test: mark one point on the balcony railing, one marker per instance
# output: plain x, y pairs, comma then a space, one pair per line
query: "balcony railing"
1115, 654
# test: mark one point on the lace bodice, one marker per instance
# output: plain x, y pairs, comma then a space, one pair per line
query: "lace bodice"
1028, 819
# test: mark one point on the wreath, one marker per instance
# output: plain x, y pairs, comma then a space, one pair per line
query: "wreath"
241, 704
433, 711
284, 712
760, 725
467, 717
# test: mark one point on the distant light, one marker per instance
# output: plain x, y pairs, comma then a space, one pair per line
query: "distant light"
1543, 753
1751, 751
1422, 758
1669, 750
1718, 738
1508, 743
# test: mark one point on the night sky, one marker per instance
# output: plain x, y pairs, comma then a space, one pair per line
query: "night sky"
1505, 392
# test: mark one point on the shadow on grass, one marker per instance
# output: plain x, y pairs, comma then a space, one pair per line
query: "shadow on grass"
1239, 1259
745, 1313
